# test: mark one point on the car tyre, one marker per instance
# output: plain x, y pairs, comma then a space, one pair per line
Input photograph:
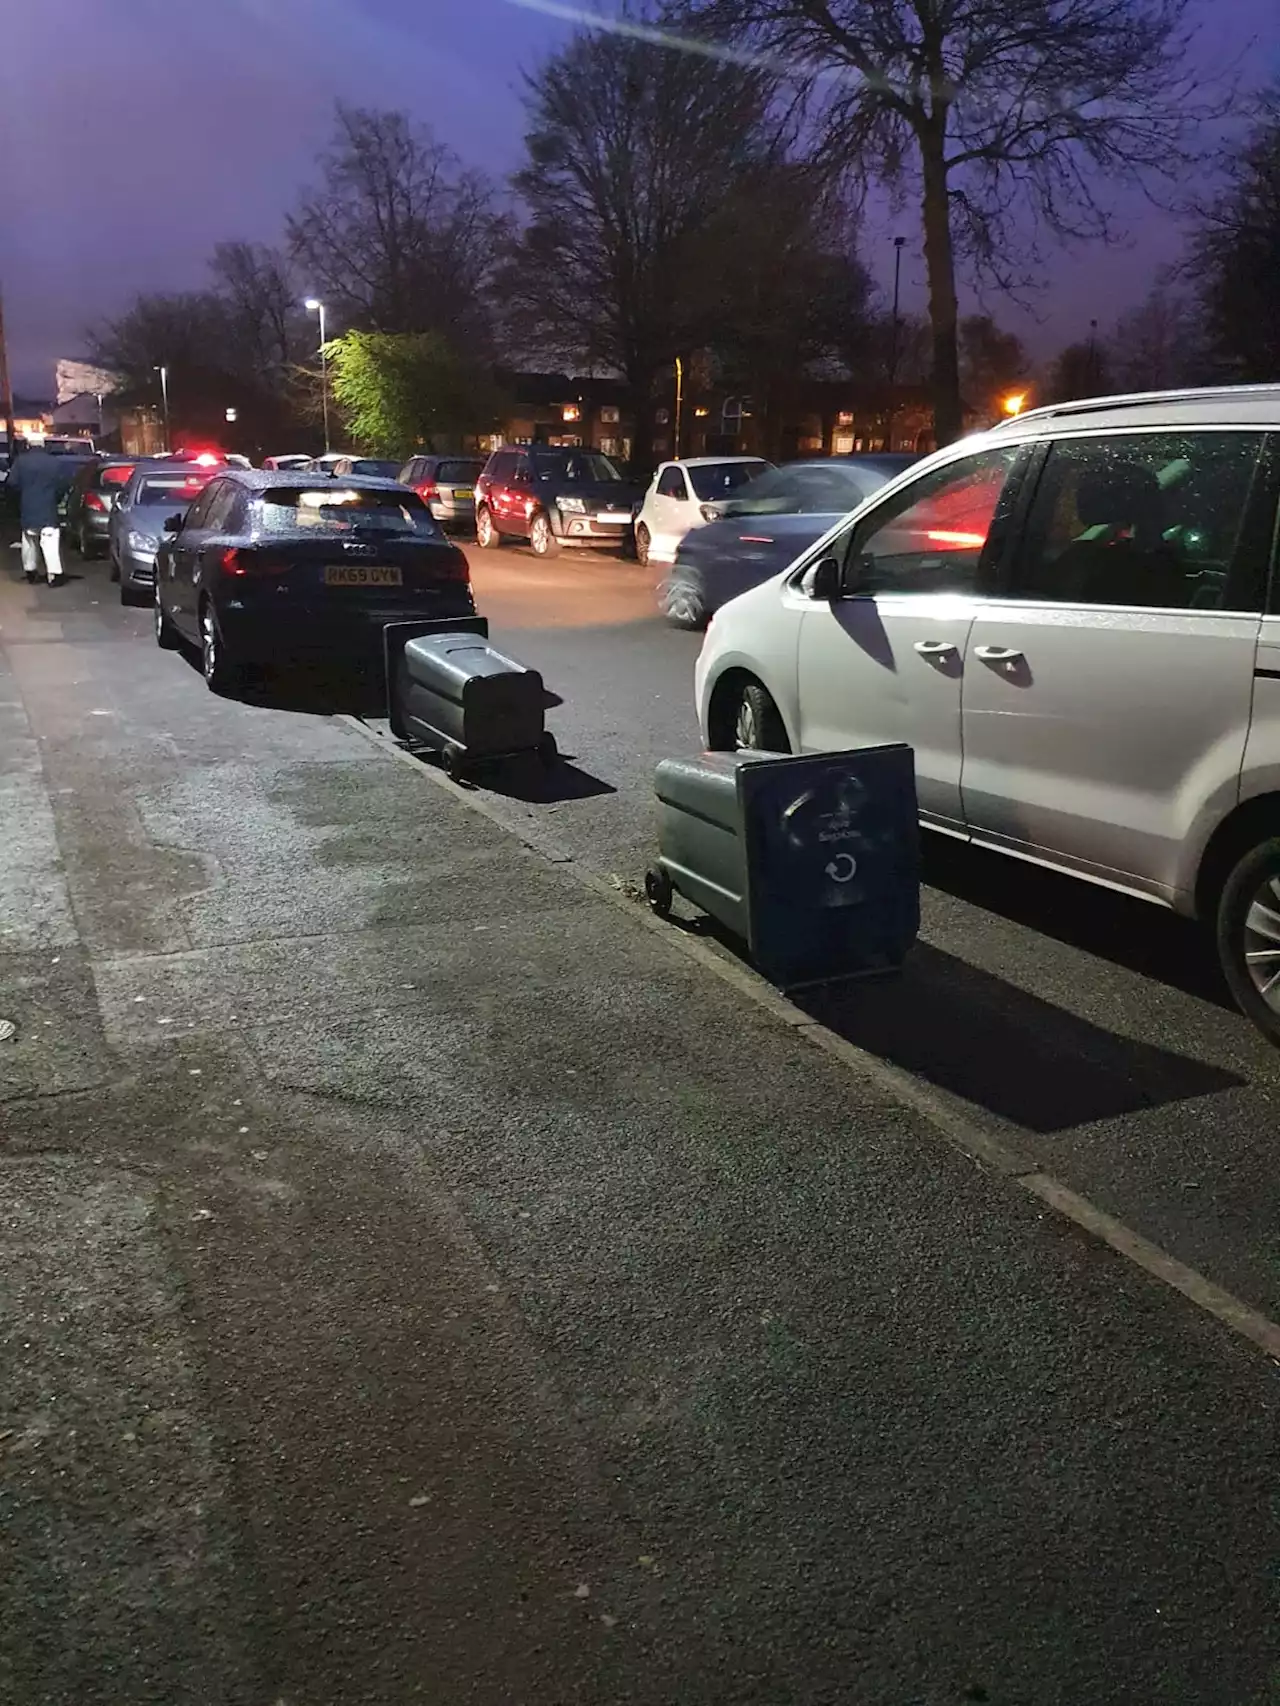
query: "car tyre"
167, 636
658, 891
221, 672
487, 536
757, 722
542, 541
1248, 935
682, 606
643, 543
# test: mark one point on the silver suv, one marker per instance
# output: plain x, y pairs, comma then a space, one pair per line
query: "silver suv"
1074, 620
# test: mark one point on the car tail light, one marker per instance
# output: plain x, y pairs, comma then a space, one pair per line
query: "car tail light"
242, 564
454, 567
93, 501
427, 490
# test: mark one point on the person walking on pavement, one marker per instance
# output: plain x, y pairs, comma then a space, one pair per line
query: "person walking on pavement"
40, 478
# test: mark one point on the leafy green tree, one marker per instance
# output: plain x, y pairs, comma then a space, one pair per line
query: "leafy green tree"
401, 392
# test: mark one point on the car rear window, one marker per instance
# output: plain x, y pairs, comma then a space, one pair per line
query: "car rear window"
342, 509
717, 479
465, 473
171, 489
369, 466
586, 466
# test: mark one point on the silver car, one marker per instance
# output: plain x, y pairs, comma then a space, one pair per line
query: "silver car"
1074, 620
447, 485
155, 490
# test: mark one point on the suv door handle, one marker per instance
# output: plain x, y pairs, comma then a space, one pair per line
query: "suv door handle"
935, 648
997, 654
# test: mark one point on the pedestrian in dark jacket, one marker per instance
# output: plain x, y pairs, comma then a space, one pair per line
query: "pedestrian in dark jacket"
40, 479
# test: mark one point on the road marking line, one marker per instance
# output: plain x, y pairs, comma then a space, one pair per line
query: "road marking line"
989, 1151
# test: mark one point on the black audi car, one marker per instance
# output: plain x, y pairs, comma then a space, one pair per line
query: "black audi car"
268, 567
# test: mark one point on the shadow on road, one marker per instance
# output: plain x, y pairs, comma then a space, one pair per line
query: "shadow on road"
317, 689
1130, 933
1004, 1049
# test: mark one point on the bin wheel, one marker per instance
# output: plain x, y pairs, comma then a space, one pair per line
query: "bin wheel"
658, 891
454, 761
548, 751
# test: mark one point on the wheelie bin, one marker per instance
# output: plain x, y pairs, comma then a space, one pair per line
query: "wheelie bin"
459, 695
813, 861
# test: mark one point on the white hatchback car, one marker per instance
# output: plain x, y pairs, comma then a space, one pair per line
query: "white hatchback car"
1074, 620
682, 495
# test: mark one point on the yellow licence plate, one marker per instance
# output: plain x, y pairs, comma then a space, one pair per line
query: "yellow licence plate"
464, 491
360, 574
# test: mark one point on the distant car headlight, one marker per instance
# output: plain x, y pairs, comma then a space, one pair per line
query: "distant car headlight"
572, 506
711, 512
145, 542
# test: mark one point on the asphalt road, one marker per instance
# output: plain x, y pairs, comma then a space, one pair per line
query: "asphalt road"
1092, 1031
417, 1282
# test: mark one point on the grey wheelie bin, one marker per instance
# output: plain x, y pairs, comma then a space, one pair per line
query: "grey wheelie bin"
813, 861
459, 695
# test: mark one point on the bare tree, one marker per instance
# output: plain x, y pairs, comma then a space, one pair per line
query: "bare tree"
398, 237
993, 363
1157, 345
1235, 255
264, 314
180, 330
1000, 113
636, 153
1080, 370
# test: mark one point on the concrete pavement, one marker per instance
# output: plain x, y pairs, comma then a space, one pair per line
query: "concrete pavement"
420, 1283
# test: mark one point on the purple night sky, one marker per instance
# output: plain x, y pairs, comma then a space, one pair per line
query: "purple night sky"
137, 133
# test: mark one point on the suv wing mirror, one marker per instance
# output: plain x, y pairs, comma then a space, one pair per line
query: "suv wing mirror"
172, 524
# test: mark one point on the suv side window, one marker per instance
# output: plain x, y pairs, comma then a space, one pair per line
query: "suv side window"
1148, 520
521, 473
501, 469
945, 532
671, 485
196, 515
221, 506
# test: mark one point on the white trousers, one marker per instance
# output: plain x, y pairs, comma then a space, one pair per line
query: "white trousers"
38, 540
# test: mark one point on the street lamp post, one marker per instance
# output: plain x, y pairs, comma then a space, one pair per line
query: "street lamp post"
164, 396
313, 305
899, 243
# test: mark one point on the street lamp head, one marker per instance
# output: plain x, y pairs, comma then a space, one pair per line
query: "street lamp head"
1015, 403
313, 304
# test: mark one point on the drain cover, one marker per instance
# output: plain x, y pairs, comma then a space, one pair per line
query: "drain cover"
8, 1030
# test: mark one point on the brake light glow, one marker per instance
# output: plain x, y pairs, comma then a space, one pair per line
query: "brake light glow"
242, 564
964, 541
93, 501
206, 459
117, 473
427, 490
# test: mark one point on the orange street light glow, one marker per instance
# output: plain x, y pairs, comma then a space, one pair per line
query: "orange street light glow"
1015, 404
